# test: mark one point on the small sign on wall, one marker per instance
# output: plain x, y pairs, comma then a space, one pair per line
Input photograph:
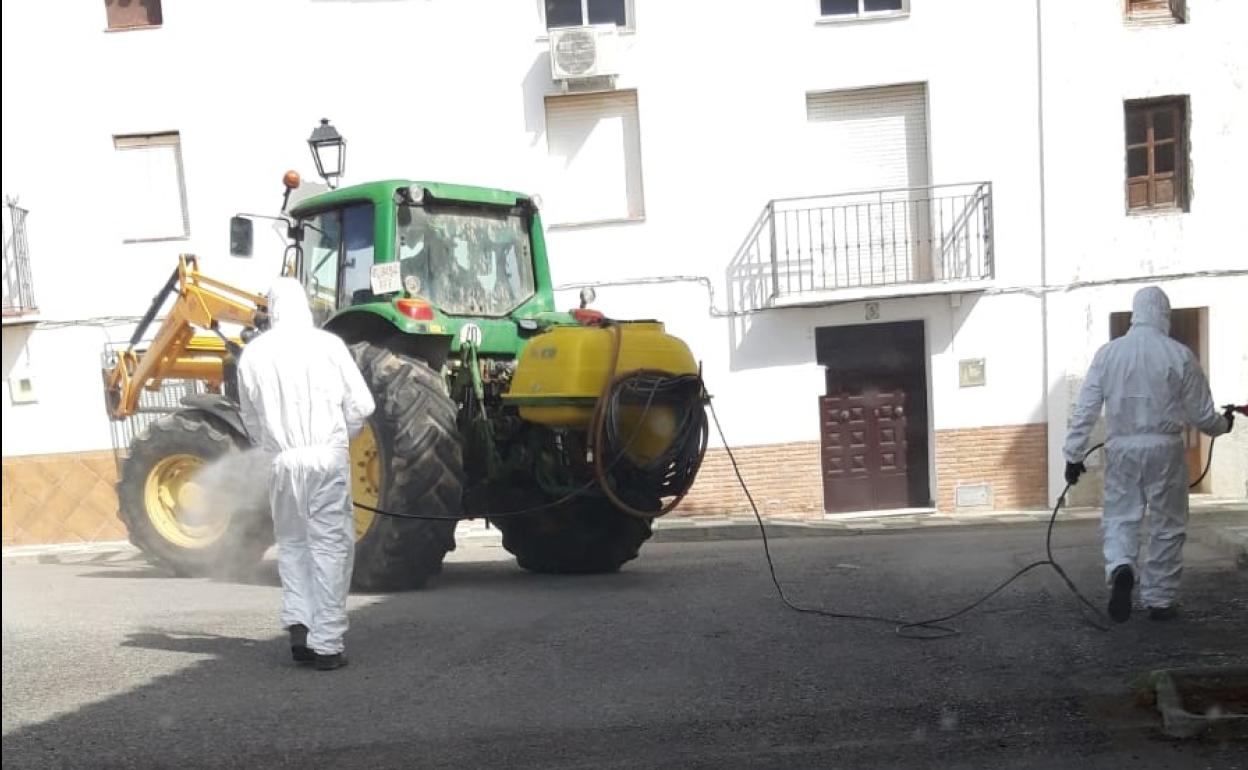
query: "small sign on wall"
972, 373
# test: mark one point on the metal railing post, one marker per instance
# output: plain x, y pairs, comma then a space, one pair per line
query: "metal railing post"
775, 266
989, 257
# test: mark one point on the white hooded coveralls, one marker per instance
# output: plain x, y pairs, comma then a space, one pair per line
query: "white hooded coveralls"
302, 399
1151, 386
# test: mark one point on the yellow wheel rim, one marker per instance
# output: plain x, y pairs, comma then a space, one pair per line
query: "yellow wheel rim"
365, 477
170, 492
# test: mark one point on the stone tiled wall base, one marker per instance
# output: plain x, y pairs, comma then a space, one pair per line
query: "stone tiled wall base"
62, 498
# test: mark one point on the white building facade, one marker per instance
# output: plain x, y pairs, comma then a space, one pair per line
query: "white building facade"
841, 205
1145, 118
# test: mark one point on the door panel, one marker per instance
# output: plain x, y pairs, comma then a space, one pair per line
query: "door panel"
863, 445
890, 486
844, 448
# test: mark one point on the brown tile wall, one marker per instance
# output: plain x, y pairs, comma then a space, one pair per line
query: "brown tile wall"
61, 498
1012, 459
783, 478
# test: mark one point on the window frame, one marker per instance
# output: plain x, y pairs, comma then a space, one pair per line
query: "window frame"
630, 18
128, 142
1179, 176
1155, 11
861, 15
558, 223
110, 27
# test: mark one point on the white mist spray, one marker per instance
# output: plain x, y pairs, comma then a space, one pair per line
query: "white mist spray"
235, 484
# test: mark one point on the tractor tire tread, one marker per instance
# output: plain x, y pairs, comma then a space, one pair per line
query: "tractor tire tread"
415, 425
581, 537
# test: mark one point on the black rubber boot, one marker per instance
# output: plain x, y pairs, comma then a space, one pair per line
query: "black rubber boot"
299, 644
1163, 613
1121, 584
330, 662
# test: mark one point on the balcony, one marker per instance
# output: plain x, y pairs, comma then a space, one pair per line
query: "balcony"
863, 245
19, 297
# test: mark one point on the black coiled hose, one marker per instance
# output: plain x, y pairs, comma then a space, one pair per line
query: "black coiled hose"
634, 487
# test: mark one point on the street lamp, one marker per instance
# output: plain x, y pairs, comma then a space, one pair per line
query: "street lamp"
329, 150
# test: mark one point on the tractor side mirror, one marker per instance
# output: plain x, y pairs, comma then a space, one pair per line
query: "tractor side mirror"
242, 237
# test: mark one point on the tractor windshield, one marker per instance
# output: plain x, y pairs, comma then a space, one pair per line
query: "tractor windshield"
466, 260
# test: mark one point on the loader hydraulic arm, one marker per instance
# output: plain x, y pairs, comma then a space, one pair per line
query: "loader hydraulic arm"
177, 352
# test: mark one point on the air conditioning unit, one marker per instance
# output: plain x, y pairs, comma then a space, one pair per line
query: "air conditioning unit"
580, 53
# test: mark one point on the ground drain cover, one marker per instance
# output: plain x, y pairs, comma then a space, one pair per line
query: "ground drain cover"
1195, 700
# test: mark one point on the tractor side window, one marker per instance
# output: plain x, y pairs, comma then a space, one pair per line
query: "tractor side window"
338, 259
322, 242
357, 234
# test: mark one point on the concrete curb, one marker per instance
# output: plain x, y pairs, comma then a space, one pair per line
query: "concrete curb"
1231, 538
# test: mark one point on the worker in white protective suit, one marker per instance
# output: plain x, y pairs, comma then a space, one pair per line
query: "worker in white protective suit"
302, 399
1151, 387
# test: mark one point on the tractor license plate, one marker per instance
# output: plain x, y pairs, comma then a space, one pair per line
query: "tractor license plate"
385, 278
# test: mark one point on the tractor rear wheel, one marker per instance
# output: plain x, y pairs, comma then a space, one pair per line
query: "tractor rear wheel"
408, 459
582, 536
162, 502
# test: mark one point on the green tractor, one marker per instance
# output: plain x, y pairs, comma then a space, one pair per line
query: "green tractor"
567, 431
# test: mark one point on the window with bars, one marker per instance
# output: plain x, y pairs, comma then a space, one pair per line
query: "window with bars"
853, 9
1157, 154
133, 14
577, 13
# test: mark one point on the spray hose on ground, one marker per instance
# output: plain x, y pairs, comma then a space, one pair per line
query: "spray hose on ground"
936, 628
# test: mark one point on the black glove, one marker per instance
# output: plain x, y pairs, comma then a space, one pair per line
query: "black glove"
1073, 472
1229, 414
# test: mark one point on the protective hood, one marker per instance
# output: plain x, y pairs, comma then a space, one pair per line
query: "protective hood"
288, 305
1151, 307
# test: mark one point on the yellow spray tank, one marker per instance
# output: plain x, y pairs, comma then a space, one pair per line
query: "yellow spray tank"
563, 372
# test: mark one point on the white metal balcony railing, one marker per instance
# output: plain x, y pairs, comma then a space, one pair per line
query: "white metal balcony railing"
19, 297
802, 247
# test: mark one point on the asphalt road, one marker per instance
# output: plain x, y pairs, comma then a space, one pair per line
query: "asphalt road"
684, 659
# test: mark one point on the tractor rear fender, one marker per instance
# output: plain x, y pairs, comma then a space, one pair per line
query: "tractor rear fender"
394, 334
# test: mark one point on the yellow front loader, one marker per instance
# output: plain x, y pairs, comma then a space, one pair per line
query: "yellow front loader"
157, 490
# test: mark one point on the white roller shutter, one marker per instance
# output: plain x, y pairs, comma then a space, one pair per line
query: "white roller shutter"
873, 142
594, 143
870, 138
151, 196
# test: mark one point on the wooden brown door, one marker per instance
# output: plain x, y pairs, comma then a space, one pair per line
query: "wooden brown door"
863, 446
